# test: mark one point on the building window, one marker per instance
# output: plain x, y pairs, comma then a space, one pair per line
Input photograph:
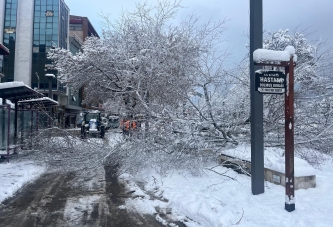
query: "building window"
46, 35
9, 38
35, 50
75, 27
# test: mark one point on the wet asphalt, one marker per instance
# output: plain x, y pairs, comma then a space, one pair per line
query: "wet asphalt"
62, 199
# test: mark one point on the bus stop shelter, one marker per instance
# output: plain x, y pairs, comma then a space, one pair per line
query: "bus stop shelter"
21, 95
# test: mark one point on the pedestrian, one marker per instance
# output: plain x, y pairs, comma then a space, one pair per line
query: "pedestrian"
133, 127
125, 125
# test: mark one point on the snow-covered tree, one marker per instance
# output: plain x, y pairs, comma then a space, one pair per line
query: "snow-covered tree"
141, 60
313, 102
313, 92
146, 65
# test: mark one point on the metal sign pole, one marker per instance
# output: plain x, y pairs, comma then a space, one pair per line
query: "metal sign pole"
257, 140
289, 139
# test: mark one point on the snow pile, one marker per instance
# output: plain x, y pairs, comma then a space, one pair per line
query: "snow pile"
152, 203
273, 160
140, 201
214, 200
263, 55
14, 175
144, 206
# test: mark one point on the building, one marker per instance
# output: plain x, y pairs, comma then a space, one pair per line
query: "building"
3, 51
80, 28
29, 29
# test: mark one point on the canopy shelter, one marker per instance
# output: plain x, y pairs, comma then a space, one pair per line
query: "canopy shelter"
17, 91
3, 50
39, 102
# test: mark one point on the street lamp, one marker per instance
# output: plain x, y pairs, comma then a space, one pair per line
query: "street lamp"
50, 77
38, 80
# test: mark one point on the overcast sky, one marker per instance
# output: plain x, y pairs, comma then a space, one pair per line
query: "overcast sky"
316, 15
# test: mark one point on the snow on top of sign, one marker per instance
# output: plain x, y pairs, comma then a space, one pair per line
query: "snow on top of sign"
290, 49
11, 84
262, 55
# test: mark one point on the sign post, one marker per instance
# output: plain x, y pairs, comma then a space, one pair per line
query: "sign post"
289, 139
274, 82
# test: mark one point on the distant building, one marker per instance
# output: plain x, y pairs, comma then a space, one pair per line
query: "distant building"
80, 28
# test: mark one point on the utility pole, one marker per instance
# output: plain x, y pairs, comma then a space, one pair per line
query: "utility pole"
257, 138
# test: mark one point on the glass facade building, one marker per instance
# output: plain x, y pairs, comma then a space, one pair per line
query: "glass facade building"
50, 29
9, 38
29, 29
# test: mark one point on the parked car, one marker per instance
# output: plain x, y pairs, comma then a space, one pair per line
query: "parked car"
113, 122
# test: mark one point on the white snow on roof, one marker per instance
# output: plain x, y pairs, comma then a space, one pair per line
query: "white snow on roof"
12, 84
39, 99
263, 55
12, 105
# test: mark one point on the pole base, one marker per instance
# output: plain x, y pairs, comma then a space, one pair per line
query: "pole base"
289, 207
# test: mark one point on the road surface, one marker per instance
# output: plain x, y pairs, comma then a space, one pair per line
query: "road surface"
63, 199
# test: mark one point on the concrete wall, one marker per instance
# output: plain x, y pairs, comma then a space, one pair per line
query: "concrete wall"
2, 18
24, 38
304, 182
272, 176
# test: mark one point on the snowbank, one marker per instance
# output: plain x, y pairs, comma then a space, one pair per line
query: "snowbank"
214, 200
273, 160
14, 175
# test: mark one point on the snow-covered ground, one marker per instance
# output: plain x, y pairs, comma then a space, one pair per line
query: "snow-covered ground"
213, 200
15, 174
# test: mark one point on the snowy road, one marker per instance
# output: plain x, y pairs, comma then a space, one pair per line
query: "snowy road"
63, 200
